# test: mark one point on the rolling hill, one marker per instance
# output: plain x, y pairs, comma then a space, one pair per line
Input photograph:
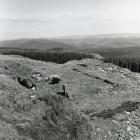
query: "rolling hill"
39, 44
103, 41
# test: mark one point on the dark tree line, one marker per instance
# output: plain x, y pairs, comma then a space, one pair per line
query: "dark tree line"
126, 62
61, 57
48, 56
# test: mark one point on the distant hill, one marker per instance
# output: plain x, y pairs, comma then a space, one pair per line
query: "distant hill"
106, 45
45, 50
74, 43
41, 44
103, 42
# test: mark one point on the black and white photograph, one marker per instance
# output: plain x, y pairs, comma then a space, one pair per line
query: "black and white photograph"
69, 69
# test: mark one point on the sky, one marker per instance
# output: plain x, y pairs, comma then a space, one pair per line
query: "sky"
52, 18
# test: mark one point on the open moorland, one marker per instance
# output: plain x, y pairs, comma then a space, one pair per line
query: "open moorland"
78, 100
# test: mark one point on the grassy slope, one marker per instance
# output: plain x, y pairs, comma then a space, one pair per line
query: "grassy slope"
99, 93
48, 116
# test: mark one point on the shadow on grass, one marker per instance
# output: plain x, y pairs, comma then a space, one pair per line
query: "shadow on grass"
128, 106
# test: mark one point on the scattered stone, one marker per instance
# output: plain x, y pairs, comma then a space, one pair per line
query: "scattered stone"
38, 77
120, 117
127, 112
26, 83
114, 121
33, 88
127, 122
54, 79
33, 96
101, 69
123, 76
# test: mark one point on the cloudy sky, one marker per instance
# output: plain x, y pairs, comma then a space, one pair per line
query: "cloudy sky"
50, 18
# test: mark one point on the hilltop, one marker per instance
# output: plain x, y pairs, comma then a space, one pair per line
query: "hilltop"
103, 100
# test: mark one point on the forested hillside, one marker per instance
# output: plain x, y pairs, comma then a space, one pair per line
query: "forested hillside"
50, 56
132, 63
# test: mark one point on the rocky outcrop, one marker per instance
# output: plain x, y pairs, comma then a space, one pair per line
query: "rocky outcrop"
54, 79
26, 83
